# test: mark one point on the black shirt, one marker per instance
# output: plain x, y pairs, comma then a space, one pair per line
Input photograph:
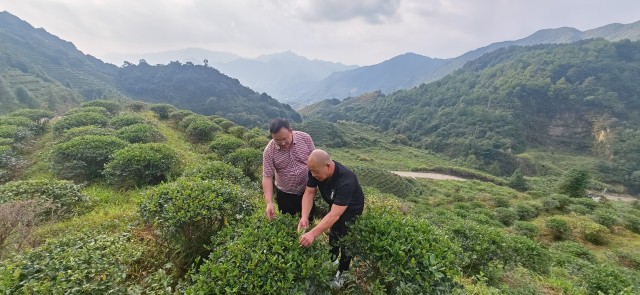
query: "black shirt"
342, 189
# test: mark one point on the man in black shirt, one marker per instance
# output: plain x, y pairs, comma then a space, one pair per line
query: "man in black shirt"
339, 187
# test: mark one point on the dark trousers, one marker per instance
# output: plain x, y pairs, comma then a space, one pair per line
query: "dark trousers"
339, 230
291, 203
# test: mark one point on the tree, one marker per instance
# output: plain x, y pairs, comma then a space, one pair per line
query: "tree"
248, 160
574, 183
517, 180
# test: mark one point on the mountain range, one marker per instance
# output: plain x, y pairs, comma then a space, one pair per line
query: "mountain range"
40, 70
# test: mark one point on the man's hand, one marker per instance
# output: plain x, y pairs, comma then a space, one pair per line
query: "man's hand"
307, 239
303, 224
271, 214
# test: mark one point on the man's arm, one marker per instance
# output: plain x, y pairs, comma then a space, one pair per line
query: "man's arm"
326, 223
267, 188
307, 204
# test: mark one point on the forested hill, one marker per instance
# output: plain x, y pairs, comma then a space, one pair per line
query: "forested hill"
581, 96
40, 70
202, 89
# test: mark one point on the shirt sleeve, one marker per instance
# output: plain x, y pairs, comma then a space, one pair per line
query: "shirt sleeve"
343, 193
311, 181
267, 162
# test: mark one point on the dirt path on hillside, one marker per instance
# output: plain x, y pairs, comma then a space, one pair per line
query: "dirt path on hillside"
429, 175
620, 197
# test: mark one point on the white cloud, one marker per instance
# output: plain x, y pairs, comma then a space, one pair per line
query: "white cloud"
350, 31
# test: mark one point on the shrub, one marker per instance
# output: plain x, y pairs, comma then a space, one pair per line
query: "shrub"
248, 160
578, 209
506, 216
85, 130
225, 144
162, 110
62, 197
178, 115
15, 133
482, 246
280, 266
80, 119
563, 200
386, 181
560, 229
124, 120
140, 133
550, 204
111, 105
142, 164
259, 142
237, 131
20, 122
631, 222
189, 212
17, 218
501, 201
527, 253
225, 124
526, 229
406, 255
574, 183
526, 212
83, 263
83, 158
33, 114
97, 110
202, 130
606, 217
608, 279
136, 106
594, 233
628, 258
587, 202
217, 170
573, 249
186, 121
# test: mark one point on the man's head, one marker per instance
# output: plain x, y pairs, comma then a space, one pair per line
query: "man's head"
320, 165
281, 132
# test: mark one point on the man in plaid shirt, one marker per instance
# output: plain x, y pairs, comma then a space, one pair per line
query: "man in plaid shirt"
285, 159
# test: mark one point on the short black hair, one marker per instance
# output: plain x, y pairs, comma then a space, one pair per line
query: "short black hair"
277, 124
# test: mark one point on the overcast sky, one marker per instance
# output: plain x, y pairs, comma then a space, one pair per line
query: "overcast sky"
359, 32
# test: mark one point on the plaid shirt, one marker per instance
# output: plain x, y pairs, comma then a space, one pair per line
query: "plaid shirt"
288, 166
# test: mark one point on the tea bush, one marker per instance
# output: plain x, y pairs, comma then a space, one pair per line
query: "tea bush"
225, 144
79, 120
65, 197
20, 122
560, 229
187, 120
506, 215
609, 279
178, 115
34, 115
246, 159
526, 253
217, 170
276, 264
578, 209
111, 105
84, 130
406, 255
140, 133
526, 229
97, 110
525, 211
124, 120
563, 200
15, 133
605, 217
202, 130
83, 158
587, 202
83, 263
189, 211
142, 164
574, 249
162, 110
594, 233
631, 222
259, 142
